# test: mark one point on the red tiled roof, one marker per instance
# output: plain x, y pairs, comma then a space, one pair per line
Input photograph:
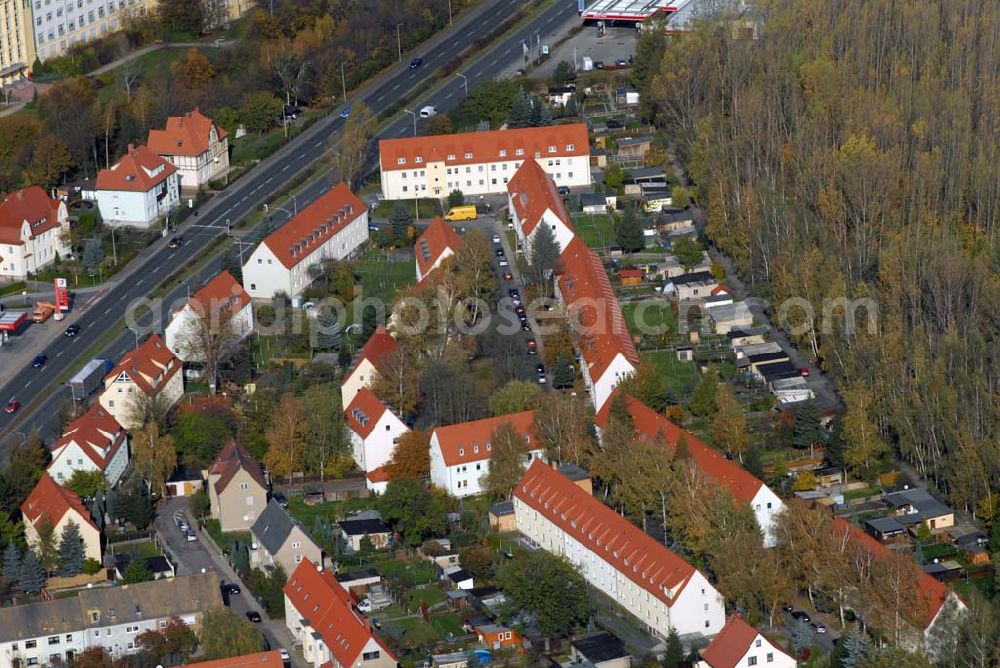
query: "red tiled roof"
184, 135
329, 609
485, 146
533, 192
134, 172
604, 532
720, 290
733, 642
296, 240
649, 424
97, 433
50, 501
378, 346
231, 459
271, 659
438, 237
630, 273
150, 360
584, 285
933, 592
472, 441
221, 294
378, 475
30, 205
364, 412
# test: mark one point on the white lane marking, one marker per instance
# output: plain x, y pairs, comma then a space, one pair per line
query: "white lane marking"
28, 383
302, 156
139, 282
59, 354
269, 179
89, 325
395, 87
285, 168
107, 310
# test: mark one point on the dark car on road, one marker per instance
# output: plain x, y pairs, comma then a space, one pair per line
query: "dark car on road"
280, 499
176, 242
72, 330
39, 361
798, 615
254, 616
231, 588
12, 406
416, 62
563, 190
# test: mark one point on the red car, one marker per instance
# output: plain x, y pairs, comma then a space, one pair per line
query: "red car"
12, 406
803, 371
507, 276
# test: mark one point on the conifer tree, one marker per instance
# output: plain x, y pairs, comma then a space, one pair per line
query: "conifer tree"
32, 575
71, 552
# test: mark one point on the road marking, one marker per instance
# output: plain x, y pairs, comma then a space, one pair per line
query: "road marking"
107, 310
28, 383
395, 87
285, 168
139, 282
300, 157
379, 98
59, 354
89, 325
269, 179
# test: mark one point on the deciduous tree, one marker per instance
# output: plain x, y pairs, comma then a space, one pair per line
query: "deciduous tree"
154, 456
411, 458
729, 426
85, 484
413, 510
286, 437
225, 634
550, 588
195, 70
515, 396
506, 463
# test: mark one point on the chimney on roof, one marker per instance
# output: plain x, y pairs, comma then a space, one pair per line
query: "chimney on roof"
131, 148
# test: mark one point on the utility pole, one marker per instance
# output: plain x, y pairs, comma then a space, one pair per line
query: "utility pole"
414, 120
449, 12
399, 44
343, 82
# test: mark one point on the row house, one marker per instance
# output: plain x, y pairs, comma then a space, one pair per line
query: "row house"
729, 475
195, 145
617, 558
481, 163
55, 506
333, 227
278, 540
34, 231
324, 622
150, 373
460, 453
138, 190
534, 200
94, 441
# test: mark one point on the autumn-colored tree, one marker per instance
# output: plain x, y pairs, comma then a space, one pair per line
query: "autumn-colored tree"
864, 446
154, 456
506, 463
396, 382
49, 162
286, 437
411, 458
563, 427
729, 426
515, 396
195, 70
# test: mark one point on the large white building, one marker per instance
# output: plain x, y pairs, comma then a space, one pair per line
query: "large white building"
92, 442
138, 190
17, 40
59, 24
745, 487
34, 229
481, 163
196, 146
461, 453
649, 581
333, 227
221, 307
52, 632
608, 352
534, 200
148, 373
375, 430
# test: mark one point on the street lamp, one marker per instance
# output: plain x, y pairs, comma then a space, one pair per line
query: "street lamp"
399, 44
449, 12
465, 82
343, 82
407, 111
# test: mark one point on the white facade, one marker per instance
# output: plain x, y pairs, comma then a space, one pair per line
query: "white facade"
59, 24
33, 251
132, 208
363, 375
375, 450
563, 233
464, 479
42, 650
71, 458
697, 609
186, 321
604, 385
761, 652
446, 253
766, 507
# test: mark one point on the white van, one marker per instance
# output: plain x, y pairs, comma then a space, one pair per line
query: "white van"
428, 111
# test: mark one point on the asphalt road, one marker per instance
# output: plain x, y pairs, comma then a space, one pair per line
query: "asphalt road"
34, 387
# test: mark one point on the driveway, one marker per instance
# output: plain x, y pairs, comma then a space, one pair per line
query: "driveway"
196, 556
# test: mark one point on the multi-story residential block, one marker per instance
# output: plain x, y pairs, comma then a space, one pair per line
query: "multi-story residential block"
17, 40
195, 145
56, 506
321, 617
461, 453
138, 190
648, 580
333, 227
267, 659
237, 488
148, 373
437, 243
481, 163
59, 24
279, 540
375, 430
740, 645
53, 632
34, 231
745, 487
220, 310
534, 199
608, 352
94, 441
364, 371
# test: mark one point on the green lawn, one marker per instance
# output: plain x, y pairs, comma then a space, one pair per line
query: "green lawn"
382, 277
221, 539
306, 515
415, 631
429, 208
411, 573
659, 317
430, 595
681, 377
596, 231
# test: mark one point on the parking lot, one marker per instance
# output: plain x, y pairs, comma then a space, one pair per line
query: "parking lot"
617, 43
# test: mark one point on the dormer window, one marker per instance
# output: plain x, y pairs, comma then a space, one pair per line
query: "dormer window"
552, 149
451, 156
461, 452
519, 151
570, 147
468, 155
503, 153
400, 161
418, 160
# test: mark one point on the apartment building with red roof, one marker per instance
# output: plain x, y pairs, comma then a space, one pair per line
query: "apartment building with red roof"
437, 243
740, 645
534, 199
49, 503
375, 430
648, 580
745, 487
327, 627
95, 441
333, 227
195, 145
34, 230
609, 354
138, 190
221, 308
237, 488
481, 163
269, 659
364, 370
149, 372
461, 453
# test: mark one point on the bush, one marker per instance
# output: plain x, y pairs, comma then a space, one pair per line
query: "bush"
91, 566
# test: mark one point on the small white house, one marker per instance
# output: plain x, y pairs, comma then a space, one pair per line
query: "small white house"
34, 230
334, 226
739, 645
364, 371
92, 442
196, 146
461, 453
138, 190
375, 430
438, 242
222, 306
150, 370
534, 200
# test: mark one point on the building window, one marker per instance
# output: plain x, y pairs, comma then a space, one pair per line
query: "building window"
418, 160
552, 149
249, 500
503, 153
570, 147
53, 640
371, 656
400, 161
451, 156
757, 643
163, 624
244, 485
751, 661
770, 657
297, 544
468, 155
706, 623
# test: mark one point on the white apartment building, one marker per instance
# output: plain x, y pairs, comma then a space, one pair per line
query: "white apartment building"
92, 442
649, 581
534, 200
59, 24
461, 453
481, 163
34, 229
17, 40
195, 145
334, 226
375, 430
138, 190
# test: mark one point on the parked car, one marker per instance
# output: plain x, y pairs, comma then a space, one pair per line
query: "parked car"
507, 276
281, 499
614, 124
798, 615
190, 536
176, 242
500, 252
820, 627
532, 347
39, 361
514, 293
598, 64
621, 62
72, 330
346, 112
563, 190
12, 406
496, 238
519, 308
254, 616
542, 377
283, 653
803, 372
416, 62
504, 262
